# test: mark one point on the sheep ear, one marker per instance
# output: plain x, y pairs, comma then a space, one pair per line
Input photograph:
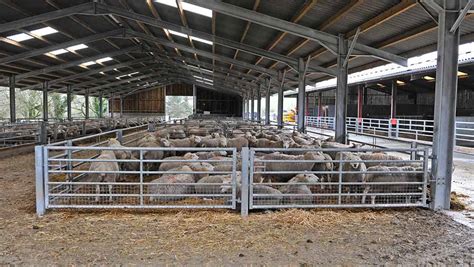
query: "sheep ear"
355, 165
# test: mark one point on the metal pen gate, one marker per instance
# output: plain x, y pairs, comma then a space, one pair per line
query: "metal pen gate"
347, 185
63, 180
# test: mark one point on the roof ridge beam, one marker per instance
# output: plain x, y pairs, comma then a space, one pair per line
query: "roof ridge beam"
325, 39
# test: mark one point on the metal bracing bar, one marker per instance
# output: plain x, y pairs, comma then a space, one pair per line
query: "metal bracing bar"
11, 85
216, 39
280, 100
445, 106
325, 39
461, 16
201, 52
194, 99
433, 17
434, 5
41, 51
267, 103
96, 88
351, 47
86, 100
301, 95
341, 92
89, 73
45, 101
32, 20
68, 102
71, 64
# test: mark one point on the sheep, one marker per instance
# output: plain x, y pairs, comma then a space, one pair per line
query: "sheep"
359, 167
198, 131
213, 142
380, 157
102, 168
271, 196
165, 166
326, 166
152, 154
208, 155
238, 142
294, 187
201, 186
265, 143
204, 167
160, 191
119, 154
191, 141
296, 167
327, 144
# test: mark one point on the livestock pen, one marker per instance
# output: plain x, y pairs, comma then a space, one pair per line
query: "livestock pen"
254, 177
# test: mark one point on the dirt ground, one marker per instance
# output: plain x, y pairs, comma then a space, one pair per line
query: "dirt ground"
291, 237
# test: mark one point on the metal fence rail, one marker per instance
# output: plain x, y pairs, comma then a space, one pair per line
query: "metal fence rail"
396, 128
349, 184
80, 177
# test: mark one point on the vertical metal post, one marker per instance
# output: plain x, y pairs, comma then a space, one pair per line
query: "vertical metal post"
40, 205
413, 145
141, 177
244, 190
45, 101
280, 102
252, 106
121, 106
194, 99
111, 107
320, 104
119, 135
259, 104
301, 95
101, 105
11, 85
445, 104
86, 96
244, 105
393, 100
341, 92
68, 102
267, 104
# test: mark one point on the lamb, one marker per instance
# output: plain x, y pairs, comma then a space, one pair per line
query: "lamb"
271, 196
152, 154
102, 168
266, 143
327, 144
358, 166
380, 157
202, 186
160, 191
208, 155
198, 131
204, 167
326, 166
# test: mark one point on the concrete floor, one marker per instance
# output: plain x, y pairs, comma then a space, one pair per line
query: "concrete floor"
463, 176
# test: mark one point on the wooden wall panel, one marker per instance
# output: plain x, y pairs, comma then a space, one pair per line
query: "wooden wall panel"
150, 101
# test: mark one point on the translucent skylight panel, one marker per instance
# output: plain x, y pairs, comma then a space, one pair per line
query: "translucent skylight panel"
77, 47
44, 31
197, 9
178, 33
86, 64
20, 37
201, 40
171, 3
105, 59
58, 52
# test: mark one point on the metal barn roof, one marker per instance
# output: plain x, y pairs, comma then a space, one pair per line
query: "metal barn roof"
111, 47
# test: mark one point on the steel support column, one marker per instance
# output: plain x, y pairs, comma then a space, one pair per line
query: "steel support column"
252, 106
320, 104
194, 99
280, 103
121, 106
259, 104
11, 85
301, 95
445, 105
86, 100
360, 101
101, 105
341, 92
267, 103
45, 101
68, 102
393, 100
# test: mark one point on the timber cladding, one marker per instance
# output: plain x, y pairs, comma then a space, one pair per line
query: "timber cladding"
150, 101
